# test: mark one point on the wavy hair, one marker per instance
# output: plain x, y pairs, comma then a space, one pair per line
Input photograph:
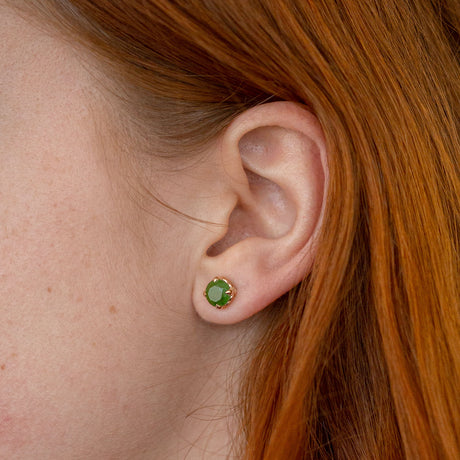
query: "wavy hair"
362, 358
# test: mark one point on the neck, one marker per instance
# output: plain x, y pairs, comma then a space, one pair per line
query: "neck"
198, 419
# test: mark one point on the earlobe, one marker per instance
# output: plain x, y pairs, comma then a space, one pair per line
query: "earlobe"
275, 160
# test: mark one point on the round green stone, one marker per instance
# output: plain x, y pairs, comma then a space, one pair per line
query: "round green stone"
216, 293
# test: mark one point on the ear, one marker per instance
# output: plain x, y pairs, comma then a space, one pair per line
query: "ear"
273, 162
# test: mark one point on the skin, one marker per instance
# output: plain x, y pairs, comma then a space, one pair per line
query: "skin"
107, 347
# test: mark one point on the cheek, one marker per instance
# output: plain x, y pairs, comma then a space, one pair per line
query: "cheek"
63, 333
52, 211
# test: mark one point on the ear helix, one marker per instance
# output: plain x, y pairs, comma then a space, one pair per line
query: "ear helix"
220, 292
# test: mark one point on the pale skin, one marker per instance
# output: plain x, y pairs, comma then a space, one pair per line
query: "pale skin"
108, 348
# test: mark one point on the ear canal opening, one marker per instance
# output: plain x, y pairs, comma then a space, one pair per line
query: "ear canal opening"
265, 213
237, 231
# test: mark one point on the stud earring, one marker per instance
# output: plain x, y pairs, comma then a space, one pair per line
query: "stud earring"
220, 292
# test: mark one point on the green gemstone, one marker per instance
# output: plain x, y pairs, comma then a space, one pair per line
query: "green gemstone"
216, 293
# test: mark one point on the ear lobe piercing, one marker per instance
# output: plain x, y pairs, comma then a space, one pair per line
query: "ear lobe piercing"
220, 292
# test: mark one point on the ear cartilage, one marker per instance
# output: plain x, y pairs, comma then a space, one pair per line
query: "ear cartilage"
220, 292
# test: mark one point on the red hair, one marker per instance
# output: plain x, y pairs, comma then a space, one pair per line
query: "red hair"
361, 360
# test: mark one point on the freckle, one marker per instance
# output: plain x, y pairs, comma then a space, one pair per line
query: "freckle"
14, 355
2, 367
113, 310
79, 299
50, 290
